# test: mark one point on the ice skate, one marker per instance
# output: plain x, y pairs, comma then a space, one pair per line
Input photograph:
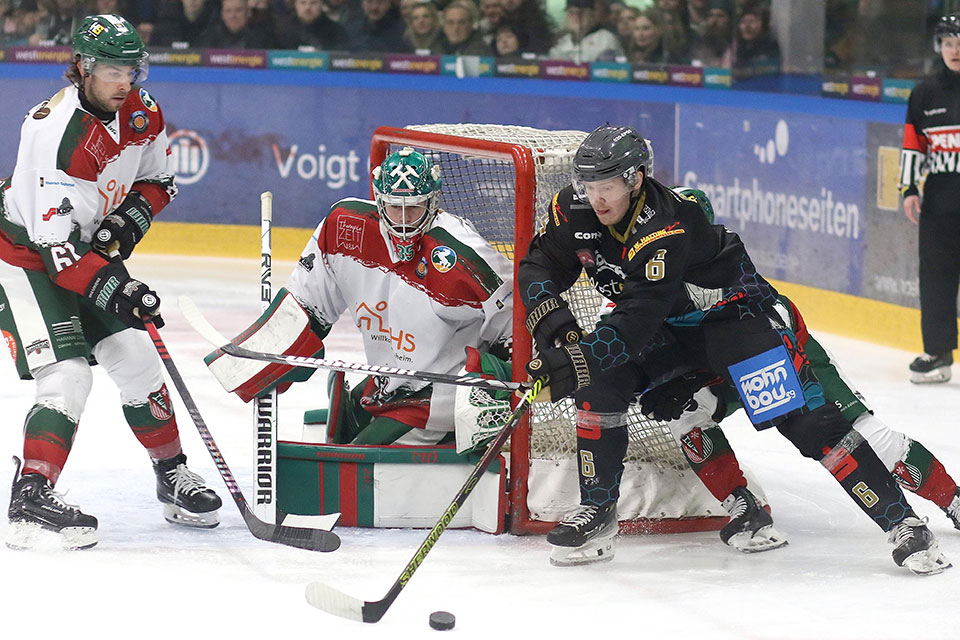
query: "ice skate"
953, 510
750, 529
584, 536
36, 512
926, 368
186, 500
915, 548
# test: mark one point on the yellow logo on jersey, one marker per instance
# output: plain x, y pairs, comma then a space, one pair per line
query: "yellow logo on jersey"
670, 230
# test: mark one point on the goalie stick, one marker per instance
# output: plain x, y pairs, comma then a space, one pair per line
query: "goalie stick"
334, 601
312, 539
211, 335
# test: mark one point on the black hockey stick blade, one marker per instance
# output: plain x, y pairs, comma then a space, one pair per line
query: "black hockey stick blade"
312, 539
202, 326
338, 603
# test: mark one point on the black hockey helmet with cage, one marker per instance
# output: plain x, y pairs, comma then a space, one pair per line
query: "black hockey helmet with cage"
610, 151
947, 27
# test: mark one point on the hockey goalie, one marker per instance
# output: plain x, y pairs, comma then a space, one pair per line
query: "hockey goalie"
424, 288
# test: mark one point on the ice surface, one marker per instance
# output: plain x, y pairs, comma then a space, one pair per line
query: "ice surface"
148, 579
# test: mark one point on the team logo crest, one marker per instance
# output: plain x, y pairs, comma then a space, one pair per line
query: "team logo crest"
907, 475
148, 100
697, 446
160, 407
422, 268
139, 121
443, 258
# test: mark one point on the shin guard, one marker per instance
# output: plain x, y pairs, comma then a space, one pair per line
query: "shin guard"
154, 424
920, 471
600, 452
713, 460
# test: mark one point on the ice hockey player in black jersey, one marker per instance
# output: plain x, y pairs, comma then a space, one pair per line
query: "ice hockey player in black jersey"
654, 253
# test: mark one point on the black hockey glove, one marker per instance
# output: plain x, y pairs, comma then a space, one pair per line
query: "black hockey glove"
114, 291
669, 400
565, 368
124, 227
551, 323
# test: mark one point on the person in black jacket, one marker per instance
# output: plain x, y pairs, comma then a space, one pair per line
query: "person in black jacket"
930, 142
309, 27
653, 252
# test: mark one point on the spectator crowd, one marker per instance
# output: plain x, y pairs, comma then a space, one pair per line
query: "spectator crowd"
729, 33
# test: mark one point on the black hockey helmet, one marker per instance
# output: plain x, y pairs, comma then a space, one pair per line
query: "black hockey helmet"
947, 27
610, 151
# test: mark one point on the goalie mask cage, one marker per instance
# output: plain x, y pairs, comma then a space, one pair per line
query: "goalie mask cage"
502, 178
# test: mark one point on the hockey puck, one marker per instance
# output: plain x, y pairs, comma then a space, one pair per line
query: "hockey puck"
442, 620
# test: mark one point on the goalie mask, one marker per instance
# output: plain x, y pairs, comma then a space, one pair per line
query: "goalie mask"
406, 187
947, 27
611, 152
109, 45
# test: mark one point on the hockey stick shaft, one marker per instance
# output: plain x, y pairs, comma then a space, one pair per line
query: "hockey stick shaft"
265, 409
312, 539
205, 329
338, 603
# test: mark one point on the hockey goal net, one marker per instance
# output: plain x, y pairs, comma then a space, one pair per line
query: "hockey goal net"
502, 178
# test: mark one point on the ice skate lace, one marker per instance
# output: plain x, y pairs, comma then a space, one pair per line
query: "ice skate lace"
184, 481
905, 530
56, 499
581, 517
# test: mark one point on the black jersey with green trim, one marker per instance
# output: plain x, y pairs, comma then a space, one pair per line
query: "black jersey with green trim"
664, 262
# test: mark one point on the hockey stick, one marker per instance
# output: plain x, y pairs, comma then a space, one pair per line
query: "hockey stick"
265, 410
211, 335
334, 601
312, 539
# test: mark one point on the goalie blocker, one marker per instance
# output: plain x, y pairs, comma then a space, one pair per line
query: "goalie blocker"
284, 328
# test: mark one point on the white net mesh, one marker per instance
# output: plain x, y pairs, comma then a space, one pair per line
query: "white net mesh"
482, 190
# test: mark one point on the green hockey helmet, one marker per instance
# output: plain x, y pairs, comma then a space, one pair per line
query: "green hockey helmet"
609, 152
406, 178
110, 40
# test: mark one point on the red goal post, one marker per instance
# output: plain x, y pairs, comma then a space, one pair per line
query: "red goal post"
499, 177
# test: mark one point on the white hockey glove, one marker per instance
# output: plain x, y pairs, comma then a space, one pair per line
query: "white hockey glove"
480, 413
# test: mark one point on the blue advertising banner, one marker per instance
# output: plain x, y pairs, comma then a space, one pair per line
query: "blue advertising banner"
309, 145
791, 185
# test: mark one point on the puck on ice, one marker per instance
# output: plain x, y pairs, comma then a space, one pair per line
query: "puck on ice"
442, 620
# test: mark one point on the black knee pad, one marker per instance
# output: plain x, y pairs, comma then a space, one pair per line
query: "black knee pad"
815, 432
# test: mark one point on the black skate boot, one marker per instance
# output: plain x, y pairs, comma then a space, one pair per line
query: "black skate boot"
750, 529
915, 548
584, 536
35, 508
953, 510
928, 368
186, 501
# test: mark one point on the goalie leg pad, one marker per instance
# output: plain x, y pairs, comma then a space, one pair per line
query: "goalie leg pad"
284, 328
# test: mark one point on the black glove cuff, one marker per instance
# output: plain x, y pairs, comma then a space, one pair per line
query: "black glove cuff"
552, 320
579, 361
138, 212
105, 283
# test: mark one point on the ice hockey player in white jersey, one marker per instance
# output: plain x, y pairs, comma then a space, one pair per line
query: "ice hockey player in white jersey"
422, 286
90, 175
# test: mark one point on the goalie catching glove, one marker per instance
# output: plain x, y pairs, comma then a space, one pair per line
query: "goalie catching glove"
124, 227
481, 413
284, 328
113, 290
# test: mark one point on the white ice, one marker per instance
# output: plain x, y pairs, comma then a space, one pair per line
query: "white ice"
148, 579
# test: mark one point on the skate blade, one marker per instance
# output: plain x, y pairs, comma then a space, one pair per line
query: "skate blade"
931, 377
765, 539
26, 536
181, 517
928, 562
590, 553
